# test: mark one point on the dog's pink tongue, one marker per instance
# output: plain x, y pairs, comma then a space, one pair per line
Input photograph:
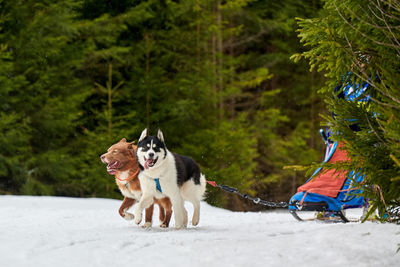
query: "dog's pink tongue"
146, 164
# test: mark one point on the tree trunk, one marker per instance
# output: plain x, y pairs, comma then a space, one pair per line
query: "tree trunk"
109, 99
313, 130
220, 61
146, 37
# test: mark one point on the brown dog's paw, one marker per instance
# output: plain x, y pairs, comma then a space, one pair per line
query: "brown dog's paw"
163, 225
146, 225
129, 216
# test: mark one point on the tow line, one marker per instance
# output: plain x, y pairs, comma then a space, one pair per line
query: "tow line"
256, 200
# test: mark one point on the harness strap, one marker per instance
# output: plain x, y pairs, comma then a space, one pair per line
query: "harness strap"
158, 186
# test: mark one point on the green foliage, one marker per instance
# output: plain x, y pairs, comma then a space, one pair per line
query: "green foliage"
77, 76
361, 38
14, 130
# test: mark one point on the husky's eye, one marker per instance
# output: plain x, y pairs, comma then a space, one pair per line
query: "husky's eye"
148, 145
154, 145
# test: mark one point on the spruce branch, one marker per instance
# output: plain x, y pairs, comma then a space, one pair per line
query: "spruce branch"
360, 32
373, 130
387, 26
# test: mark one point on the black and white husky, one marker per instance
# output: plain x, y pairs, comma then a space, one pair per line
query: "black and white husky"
163, 173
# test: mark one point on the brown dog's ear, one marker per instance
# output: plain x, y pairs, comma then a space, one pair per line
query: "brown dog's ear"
132, 149
123, 140
130, 146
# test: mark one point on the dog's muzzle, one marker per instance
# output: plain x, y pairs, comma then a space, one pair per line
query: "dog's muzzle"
150, 162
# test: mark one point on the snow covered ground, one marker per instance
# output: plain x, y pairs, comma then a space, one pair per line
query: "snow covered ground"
55, 231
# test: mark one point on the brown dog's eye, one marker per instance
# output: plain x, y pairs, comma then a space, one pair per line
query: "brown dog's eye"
115, 151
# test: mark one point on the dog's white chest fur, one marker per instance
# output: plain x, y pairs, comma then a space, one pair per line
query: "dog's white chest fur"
125, 190
135, 194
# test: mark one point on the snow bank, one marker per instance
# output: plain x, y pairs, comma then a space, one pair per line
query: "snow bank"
55, 231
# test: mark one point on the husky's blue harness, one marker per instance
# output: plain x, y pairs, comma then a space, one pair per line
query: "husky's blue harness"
158, 186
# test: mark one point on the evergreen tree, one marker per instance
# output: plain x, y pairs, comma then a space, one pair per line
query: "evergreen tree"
39, 38
13, 127
356, 42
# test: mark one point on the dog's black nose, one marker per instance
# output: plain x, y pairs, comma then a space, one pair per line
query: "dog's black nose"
151, 155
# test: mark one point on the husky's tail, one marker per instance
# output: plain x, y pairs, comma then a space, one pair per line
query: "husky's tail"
202, 189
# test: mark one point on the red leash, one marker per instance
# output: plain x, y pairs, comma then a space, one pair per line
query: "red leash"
212, 183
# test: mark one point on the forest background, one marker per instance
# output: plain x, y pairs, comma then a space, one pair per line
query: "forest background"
216, 76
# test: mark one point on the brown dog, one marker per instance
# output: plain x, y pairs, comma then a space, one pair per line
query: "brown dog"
122, 162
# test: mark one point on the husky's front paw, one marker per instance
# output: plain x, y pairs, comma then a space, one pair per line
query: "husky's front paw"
138, 218
129, 216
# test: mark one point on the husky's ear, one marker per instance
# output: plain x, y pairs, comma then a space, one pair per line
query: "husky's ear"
123, 140
144, 134
160, 135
